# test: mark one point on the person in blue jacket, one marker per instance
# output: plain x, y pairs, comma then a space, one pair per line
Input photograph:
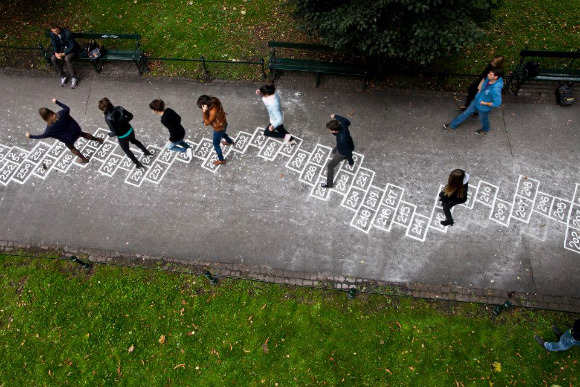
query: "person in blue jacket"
64, 128
488, 97
338, 126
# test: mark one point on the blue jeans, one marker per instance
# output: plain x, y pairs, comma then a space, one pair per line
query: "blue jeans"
566, 341
471, 110
178, 146
217, 137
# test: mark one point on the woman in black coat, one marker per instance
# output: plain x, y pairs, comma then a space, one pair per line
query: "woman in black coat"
455, 192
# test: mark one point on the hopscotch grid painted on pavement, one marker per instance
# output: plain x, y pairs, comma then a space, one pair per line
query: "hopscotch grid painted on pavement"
373, 206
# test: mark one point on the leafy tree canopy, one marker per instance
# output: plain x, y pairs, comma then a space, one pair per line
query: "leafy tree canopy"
413, 30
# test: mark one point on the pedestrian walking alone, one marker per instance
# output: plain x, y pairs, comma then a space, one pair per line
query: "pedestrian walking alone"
63, 127
569, 339
495, 63
488, 97
338, 126
275, 128
214, 115
118, 120
455, 192
172, 121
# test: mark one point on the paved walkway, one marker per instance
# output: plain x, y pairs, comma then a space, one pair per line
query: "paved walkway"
519, 230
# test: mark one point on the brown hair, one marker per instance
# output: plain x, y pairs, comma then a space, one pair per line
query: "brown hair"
157, 105
48, 115
53, 26
455, 184
497, 61
333, 125
105, 104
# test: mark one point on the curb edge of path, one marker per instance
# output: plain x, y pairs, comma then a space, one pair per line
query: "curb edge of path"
446, 292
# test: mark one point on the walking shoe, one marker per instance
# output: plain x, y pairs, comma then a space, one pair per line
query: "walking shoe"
148, 153
139, 166
293, 142
447, 127
324, 185
556, 331
63, 81
447, 223
227, 143
287, 138
480, 132
74, 83
462, 107
82, 160
189, 153
219, 162
99, 140
540, 341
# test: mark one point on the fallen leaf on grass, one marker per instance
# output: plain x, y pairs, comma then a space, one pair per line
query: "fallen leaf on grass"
497, 366
399, 325
179, 366
131, 348
389, 371
162, 339
265, 348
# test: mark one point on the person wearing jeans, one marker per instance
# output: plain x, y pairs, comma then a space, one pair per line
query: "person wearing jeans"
213, 114
172, 121
570, 338
488, 97
65, 48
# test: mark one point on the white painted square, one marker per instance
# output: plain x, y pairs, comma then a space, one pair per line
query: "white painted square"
298, 161
384, 218
358, 159
437, 216
320, 193
148, 160
88, 151
242, 142
39, 151
289, 150
208, 163
7, 171
102, 133
167, 156
574, 217
104, 151
110, 165
57, 149
270, 149
258, 139
363, 219
486, 193
135, 177
64, 162
16, 155
501, 212
353, 199
576, 198
418, 227
543, 203
522, 209
393, 195
157, 171
363, 178
572, 240
560, 210
3, 151
310, 174
527, 187
373, 197
320, 155
342, 182
23, 172
404, 213
44, 167
471, 194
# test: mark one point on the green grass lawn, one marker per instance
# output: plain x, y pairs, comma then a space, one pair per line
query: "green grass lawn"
61, 325
240, 29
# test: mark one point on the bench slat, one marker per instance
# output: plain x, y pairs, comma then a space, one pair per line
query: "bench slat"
550, 54
100, 35
300, 46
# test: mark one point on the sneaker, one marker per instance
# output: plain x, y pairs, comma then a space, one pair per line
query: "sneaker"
227, 143
324, 185
287, 138
480, 132
293, 142
63, 81
556, 331
446, 223
219, 162
447, 127
148, 153
540, 341
189, 153
462, 107
74, 83
139, 166
82, 160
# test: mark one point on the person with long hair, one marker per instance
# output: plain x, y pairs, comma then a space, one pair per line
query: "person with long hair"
275, 128
455, 192
118, 120
64, 128
495, 63
213, 114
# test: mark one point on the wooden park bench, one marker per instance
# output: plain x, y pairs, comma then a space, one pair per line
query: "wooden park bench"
276, 63
549, 70
133, 54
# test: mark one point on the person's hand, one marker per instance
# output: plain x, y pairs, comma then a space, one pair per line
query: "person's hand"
332, 116
271, 128
258, 92
485, 103
27, 134
53, 100
204, 108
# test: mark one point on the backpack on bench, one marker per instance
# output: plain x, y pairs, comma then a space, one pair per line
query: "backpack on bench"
565, 95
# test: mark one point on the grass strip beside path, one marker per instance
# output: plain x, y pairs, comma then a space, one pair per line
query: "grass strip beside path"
61, 325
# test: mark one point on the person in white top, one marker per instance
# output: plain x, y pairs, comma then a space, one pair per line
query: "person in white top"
275, 128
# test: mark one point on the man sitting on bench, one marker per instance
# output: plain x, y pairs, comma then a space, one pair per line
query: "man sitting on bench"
65, 48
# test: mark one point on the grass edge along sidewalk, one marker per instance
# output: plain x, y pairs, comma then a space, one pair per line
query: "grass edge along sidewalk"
65, 325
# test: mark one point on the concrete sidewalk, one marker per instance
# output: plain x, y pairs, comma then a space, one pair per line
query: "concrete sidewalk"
519, 231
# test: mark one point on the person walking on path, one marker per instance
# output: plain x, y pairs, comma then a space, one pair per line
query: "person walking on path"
495, 63
118, 120
63, 127
569, 339
488, 97
172, 121
65, 49
214, 115
275, 128
338, 126
455, 192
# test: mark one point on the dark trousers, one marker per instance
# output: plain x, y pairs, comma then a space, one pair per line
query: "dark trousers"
278, 132
447, 211
336, 159
74, 150
124, 143
68, 61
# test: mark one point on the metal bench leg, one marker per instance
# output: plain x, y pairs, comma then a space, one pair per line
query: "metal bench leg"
317, 79
98, 65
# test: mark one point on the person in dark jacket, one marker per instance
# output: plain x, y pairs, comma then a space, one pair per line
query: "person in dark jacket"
63, 127
343, 149
65, 48
172, 121
455, 192
213, 114
569, 339
495, 63
118, 120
